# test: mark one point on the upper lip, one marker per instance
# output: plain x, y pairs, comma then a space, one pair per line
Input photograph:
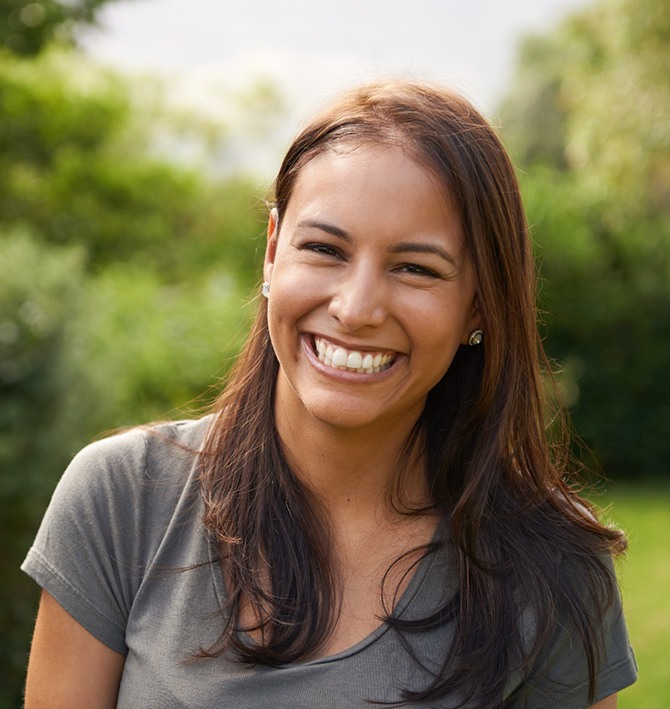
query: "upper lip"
352, 346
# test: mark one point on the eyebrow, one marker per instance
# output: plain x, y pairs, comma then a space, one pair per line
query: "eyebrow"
405, 247
412, 247
328, 228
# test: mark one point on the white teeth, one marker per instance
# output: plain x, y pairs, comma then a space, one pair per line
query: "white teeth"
340, 357
352, 360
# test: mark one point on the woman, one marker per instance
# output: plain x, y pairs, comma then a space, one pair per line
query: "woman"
373, 512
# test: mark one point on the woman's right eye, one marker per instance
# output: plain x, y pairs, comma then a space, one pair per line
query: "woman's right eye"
321, 248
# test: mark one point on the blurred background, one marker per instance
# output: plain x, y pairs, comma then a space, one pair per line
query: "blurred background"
138, 141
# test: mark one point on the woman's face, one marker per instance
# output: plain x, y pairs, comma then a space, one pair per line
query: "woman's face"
372, 290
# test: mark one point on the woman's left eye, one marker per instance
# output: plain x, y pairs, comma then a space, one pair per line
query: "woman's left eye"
418, 270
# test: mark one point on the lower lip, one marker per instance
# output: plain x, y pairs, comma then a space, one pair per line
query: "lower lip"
345, 375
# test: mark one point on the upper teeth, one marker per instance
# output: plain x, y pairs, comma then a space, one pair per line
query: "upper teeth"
340, 358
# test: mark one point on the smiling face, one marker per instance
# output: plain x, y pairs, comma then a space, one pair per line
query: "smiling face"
372, 290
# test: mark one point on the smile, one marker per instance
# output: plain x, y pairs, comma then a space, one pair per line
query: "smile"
338, 357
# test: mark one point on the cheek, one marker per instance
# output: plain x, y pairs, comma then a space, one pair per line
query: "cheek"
442, 354
297, 290
439, 329
292, 299
435, 314
294, 277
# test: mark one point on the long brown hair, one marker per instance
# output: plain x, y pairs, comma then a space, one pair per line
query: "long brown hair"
510, 512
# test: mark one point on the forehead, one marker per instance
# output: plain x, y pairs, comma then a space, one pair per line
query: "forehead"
362, 174
376, 193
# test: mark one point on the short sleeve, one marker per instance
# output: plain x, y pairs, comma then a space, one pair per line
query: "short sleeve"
562, 677
86, 553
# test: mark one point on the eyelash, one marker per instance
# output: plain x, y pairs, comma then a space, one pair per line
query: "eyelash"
322, 249
414, 268
411, 268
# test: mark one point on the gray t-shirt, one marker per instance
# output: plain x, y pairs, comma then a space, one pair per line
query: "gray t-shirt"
124, 550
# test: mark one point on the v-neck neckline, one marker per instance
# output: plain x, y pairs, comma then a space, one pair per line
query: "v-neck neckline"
418, 577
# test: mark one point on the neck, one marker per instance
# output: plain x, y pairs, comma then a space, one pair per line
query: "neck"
351, 471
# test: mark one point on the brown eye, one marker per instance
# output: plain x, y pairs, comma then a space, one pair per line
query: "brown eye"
321, 248
418, 270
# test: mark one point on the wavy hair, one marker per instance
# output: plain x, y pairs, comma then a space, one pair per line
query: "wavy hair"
511, 515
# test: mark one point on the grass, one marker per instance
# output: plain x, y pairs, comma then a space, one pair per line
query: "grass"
644, 574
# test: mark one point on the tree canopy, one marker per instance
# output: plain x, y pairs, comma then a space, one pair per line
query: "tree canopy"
587, 120
26, 28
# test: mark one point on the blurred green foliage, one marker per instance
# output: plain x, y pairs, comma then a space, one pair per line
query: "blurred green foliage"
123, 286
76, 167
27, 27
39, 289
587, 121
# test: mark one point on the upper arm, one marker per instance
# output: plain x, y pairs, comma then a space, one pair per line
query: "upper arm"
68, 666
607, 703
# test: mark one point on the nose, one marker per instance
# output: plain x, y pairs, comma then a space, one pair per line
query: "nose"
359, 300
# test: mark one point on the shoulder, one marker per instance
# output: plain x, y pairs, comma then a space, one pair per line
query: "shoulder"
136, 456
126, 484
158, 439
588, 613
109, 516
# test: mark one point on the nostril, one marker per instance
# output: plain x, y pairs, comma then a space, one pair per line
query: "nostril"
355, 310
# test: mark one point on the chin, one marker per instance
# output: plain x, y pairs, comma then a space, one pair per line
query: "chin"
360, 416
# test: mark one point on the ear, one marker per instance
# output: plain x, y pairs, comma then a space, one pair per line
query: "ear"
271, 246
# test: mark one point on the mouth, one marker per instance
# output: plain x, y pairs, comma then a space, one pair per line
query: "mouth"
363, 362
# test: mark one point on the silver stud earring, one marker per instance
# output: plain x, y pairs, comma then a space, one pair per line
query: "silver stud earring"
265, 289
476, 337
